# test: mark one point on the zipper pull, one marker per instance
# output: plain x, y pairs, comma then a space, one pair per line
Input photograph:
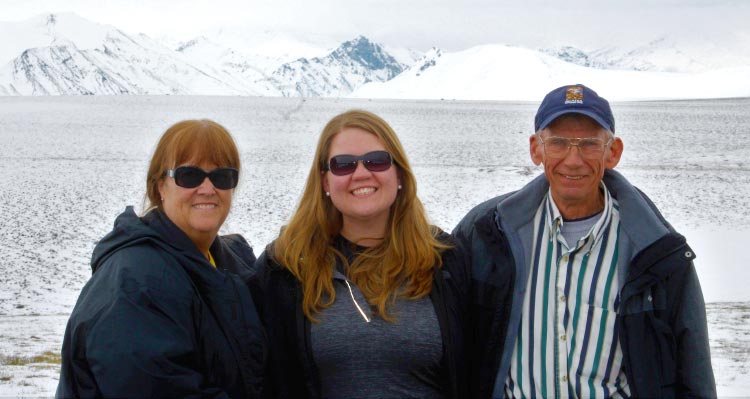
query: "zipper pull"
351, 293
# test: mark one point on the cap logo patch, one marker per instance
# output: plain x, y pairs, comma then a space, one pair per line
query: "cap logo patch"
574, 95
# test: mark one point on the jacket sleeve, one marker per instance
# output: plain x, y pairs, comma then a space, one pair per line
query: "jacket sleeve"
136, 331
277, 296
277, 373
456, 262
462, 234
695, 377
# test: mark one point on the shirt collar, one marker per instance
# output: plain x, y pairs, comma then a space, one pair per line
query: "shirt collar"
555, 220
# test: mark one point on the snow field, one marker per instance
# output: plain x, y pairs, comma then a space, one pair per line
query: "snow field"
71, 165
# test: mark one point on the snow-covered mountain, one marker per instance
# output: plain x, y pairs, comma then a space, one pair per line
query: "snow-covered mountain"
575, 56
282, 47
663, 54
49, 30
69, 55
497, 72
63, 54
354, 63
241, 51
335, 73
251, 71
76, 56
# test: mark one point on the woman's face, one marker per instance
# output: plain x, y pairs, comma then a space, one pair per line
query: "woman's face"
363, 197
200, 211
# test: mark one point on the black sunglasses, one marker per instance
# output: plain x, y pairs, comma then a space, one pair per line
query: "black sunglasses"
374, 161
192, 177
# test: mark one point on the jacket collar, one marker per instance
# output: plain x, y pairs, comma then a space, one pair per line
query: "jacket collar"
155, 226
175, 237
640, 220
519, 208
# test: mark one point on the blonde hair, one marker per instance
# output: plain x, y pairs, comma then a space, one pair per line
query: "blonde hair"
401, 265
196, 140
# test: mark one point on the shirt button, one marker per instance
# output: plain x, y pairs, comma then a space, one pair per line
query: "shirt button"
565, 378
565, 258
563, 337
562, 298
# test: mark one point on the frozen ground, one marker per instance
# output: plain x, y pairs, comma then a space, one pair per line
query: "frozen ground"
30, 355
29, 351
70, 165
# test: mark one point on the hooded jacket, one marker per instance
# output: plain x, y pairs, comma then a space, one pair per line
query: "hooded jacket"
156, 319
291, 371
661, 314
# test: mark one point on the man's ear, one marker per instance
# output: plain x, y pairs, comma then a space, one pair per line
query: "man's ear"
536, 149
614, 153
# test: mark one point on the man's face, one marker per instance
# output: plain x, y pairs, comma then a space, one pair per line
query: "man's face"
574, 179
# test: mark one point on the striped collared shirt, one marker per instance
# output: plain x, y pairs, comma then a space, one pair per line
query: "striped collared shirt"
567, 344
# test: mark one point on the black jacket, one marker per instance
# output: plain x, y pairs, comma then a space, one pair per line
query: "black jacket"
661, 314
157, 320
291, 371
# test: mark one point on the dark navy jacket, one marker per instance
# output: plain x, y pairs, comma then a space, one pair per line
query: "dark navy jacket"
291, 371
661, 314
157, 320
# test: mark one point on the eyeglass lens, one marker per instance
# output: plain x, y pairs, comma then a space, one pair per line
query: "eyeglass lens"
374, 161
191, 177
559, 146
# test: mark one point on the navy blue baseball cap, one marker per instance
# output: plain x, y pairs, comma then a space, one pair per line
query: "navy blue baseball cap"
575, 99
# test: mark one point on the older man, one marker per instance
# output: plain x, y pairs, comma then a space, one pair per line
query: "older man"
581, 288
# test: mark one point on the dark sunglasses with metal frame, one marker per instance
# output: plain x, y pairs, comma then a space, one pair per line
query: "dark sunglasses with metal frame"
192, 177
374, 161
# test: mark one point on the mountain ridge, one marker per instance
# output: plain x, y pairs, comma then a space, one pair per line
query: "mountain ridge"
64, 54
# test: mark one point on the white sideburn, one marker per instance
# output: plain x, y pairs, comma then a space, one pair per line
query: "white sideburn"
351, 293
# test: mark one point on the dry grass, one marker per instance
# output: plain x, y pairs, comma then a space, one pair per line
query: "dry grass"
47, 357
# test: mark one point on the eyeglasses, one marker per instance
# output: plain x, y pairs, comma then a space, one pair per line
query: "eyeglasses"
374, 161
191, 177
558, 147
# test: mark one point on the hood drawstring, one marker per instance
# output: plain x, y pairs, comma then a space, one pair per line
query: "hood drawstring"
351, 293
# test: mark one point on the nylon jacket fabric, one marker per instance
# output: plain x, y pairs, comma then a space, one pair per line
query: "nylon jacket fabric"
157, 320
661, 313
291, 371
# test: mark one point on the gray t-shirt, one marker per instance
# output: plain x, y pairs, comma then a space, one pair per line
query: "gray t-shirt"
377, 359
575, 229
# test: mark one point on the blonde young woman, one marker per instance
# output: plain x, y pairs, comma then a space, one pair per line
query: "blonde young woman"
359, 295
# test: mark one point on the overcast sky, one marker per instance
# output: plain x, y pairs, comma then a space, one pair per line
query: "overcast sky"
449, 24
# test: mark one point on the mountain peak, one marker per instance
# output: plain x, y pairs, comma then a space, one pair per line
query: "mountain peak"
369, 54
359, 45
360, 39
351, 64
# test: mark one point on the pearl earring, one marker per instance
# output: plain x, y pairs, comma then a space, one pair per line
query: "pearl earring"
328, 194
399, 187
